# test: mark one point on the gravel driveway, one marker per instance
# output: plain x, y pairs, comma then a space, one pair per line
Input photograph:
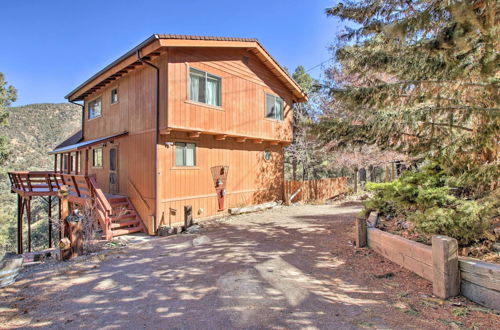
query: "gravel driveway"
291, 267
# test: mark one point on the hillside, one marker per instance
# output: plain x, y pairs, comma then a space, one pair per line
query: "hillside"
32, 131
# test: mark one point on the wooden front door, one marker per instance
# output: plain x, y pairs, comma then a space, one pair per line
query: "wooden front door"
113, 171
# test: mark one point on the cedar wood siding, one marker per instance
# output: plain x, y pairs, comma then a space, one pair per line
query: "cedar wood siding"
135, 112
251, 179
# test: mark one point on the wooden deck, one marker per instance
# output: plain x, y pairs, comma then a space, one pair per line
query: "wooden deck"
115, 214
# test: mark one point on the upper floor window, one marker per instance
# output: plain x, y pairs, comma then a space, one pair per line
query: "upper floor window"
97, 157
204, 87
274, 107
185, 154
94, 108
114, 96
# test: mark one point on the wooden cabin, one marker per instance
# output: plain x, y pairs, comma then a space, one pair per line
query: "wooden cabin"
184, 121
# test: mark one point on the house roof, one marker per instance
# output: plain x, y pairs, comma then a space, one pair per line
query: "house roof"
149, 48
73, 139
67, 147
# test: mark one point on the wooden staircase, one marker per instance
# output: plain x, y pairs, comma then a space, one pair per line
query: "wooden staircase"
116, 214
124, 217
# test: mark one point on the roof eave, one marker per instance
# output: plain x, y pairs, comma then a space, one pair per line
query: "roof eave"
291, 84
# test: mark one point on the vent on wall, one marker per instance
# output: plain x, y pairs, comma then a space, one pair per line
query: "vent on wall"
246, 59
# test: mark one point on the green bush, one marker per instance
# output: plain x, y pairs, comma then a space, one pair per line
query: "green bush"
425, 199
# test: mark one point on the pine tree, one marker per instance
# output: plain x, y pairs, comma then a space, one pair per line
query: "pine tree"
420, 77
8, 95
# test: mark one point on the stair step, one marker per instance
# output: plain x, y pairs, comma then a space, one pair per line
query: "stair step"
125, 223
123, 217
125, 231
116, 200
122, 211
118, 204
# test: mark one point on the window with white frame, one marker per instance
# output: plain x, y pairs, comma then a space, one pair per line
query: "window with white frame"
94, 108
274, 107
97, 157
205, 87
185, 154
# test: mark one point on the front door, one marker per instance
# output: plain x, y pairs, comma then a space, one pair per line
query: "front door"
113, 171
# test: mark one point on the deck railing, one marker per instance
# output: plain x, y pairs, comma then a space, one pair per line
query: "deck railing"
82, 190
34, 182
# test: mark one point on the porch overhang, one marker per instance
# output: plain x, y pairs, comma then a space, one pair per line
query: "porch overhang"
86, 144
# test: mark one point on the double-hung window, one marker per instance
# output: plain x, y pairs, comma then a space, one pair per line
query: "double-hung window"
274, 107
185, 154
94, 108
205, 87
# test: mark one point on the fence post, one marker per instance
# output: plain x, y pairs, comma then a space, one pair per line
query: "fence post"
360, 232
446, 281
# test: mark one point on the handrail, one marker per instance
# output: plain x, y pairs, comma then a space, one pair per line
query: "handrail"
138, 193
100, 196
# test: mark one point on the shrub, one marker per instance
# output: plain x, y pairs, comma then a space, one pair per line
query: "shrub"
425, 199
466, 221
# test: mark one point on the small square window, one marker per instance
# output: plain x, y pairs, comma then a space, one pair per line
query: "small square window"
114, 96
97, 157
185, 154
94, 108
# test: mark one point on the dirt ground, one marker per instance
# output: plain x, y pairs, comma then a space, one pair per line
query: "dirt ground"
292, 267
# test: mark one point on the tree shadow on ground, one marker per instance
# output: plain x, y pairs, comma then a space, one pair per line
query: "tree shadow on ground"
260, 270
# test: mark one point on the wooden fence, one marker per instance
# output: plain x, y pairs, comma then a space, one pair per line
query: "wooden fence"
323, 189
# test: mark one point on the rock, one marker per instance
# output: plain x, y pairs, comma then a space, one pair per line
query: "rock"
497, 233
193, 229
496, 247
178, 229
164, 231
201, 240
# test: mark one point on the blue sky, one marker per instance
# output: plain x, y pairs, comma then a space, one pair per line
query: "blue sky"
50, 47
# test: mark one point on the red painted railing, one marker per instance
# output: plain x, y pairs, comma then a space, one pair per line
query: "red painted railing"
83, 190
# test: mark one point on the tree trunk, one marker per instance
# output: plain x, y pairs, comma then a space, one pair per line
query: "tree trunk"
355, 181
371, 168
294, 169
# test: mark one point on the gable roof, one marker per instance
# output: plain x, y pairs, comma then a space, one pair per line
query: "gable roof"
151, 47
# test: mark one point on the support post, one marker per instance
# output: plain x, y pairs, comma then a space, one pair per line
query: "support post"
49, 213
28, 216
87, 161
360, 232
188, 216
64, 208
446, 281
20, 206
59, 215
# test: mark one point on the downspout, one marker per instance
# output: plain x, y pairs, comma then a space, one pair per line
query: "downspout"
157, 137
